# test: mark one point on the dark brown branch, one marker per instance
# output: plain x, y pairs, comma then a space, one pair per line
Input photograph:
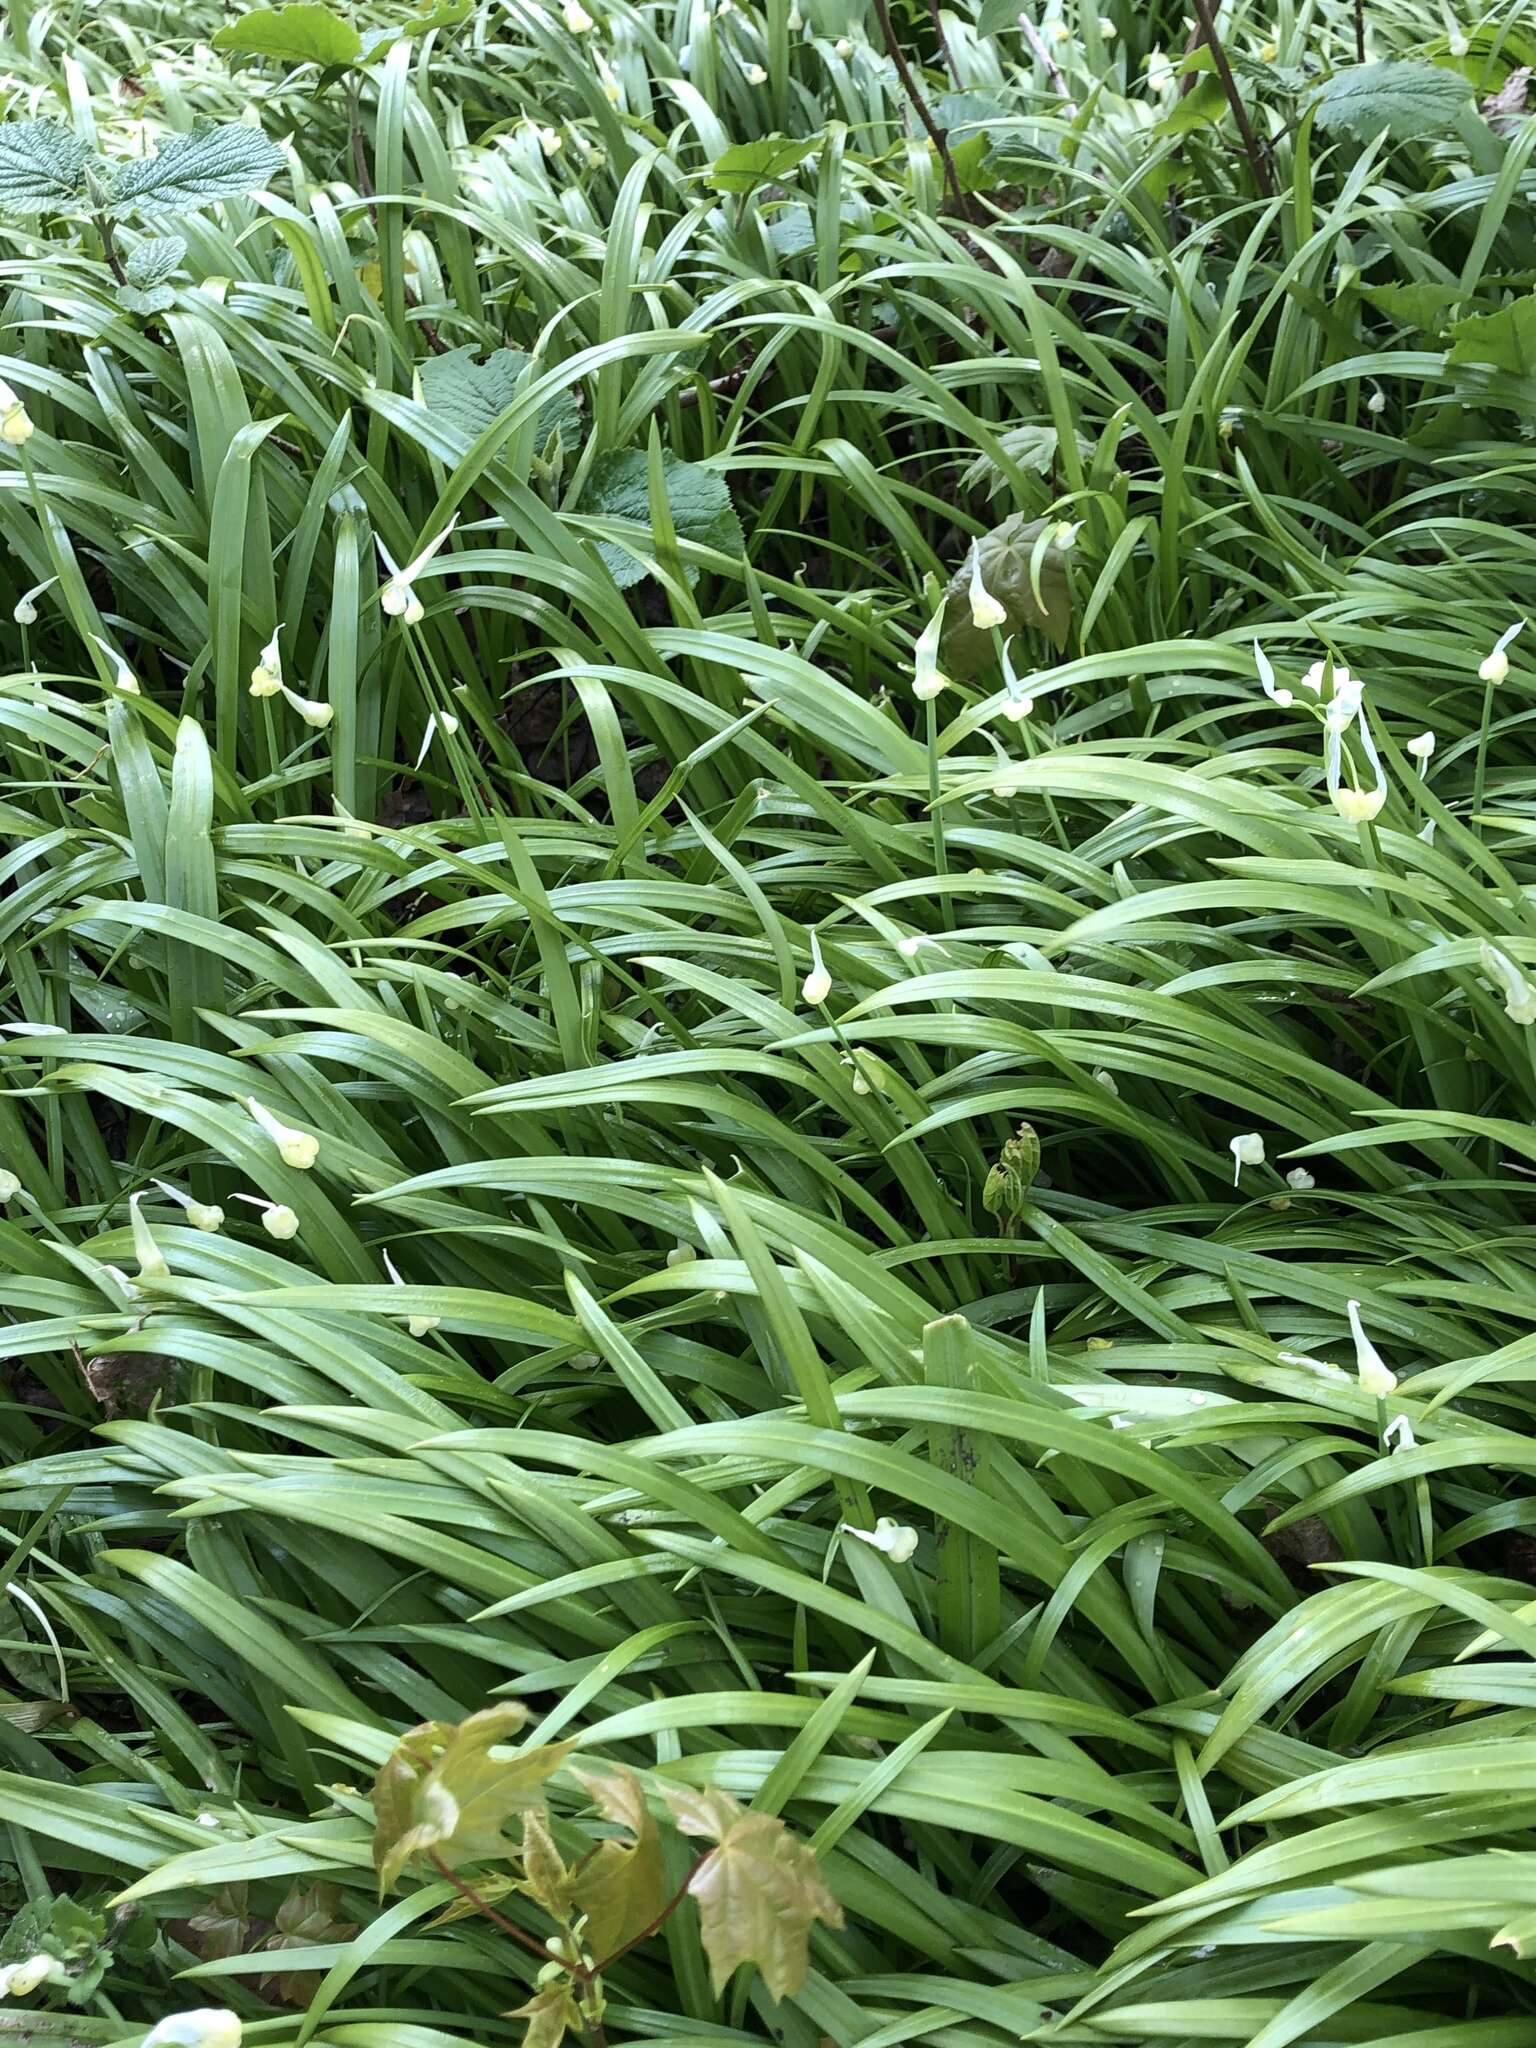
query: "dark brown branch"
1251, 145
914, 93
484, 1906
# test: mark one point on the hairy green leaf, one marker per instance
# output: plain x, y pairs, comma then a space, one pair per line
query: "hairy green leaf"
194, 170
1506, 339
747, 164
298, 34
698, 499
1403, 97
472, 395
42, 167
1007, 554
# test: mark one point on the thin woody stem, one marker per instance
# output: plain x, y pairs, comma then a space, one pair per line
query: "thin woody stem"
466, 1891
914, 93
1251, 144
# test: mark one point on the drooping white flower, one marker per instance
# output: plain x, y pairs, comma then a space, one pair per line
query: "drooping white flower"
843, 47
123, 677
417, 1325
25, 611
151, 1259
1376, 404
1355, 806
398, 598
201, 1215
1519, 996
20, 1980
907, 946
893, 1537
1299, 1179
297, 1149
1375, 1375
681, 1254
208, 2027
1344, 683
277, 1219
754, 74
577, 19
1065, 535
267, 675
1276, 692
16, 427
986, 611
817, 985
1422, 748
1247, 1150
928, 679
613, 92
550, 140
10, 1185
1018, 704
1106, 1080
1399, 1434
1494, 666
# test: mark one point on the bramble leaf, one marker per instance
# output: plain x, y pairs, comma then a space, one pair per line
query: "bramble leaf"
1505, 339
298, 34
622, 1886
699, 501
1006, 555
753, 163
194, 170
42, 166
472, 395
446, 14
1406, 98
442, 1791
759, 1891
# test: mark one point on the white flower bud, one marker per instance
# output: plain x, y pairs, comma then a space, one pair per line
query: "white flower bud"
928, 679
1422, 747
16, 427
754, 74
1375, 1377
295, 1148
10, 1184
986, 611
681, 1254
151, 1259
418, 1326
1299, 1179
577, 19
897, 1541
1106, 1080
209, 2027
1519, 996
1494, 667
843, 47
1399, 1434
1376, 404
816, 987
1107, 29
909, 945
279, 1221
1357, 806
1246, 1151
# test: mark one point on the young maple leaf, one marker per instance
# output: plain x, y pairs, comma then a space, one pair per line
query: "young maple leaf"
759, 1891
621, 1886
443, 1793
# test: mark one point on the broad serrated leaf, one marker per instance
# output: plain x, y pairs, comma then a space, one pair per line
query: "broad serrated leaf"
759, 1891
154, 298
1203, 104
447, 14
699, 501
443, 1793
154, 259
622, 1886
752, 163
1405, 98
307, 1917
298, 34
1006, 555
42, 166
1506, 339
472, 395
194, 170
1420, 305
551, 2014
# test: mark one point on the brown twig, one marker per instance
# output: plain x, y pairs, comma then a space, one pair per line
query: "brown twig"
109, 248
484, 1906
943, 42
1252, 147
1359, 31
645, 1933
1036, 42
914, 93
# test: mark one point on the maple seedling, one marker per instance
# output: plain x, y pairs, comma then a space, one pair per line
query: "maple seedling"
447, 1793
